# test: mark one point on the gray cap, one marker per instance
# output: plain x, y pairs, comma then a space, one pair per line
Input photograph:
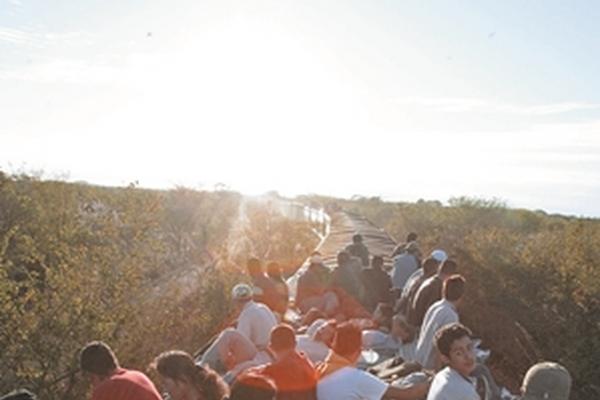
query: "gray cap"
241, 291
546, 381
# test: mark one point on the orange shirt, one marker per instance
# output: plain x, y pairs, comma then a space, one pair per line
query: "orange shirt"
294, 376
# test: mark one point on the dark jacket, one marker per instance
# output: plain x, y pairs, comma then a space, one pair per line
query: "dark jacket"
429, 292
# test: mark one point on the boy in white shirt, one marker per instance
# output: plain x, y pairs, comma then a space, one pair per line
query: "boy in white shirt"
454, 382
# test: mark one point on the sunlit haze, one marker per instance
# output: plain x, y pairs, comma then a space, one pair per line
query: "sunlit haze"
402, 100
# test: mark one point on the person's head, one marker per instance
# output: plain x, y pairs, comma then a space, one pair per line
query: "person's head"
455, 346
447, 268
325, 333
454, 288
546, 381
251, 386
254, 266
241, 294
183, 379
98, 360
348, 341
357, 238
19, 394
411, 237
274, 270
377, 262
315, 258
282, 340
430, 266
343, 257
401, 329
315, 262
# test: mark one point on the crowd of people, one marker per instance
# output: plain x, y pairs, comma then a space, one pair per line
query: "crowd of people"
320, 345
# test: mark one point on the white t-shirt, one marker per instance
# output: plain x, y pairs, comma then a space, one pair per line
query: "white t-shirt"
450, 385
440, 313
375, 339
315, 351
404, 266
350, 384
255, 322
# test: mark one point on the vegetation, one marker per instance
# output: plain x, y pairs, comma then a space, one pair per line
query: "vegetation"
143, 270
150, 270
538, 270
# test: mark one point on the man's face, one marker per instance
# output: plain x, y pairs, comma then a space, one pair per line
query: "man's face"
462, 356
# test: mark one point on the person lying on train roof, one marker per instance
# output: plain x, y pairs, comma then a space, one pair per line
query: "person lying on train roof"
339, 379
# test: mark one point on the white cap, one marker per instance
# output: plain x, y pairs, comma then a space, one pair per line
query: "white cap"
241, 291
439, 255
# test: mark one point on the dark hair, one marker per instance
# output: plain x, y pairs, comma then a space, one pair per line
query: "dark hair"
357, 238
448, 267
430, 266
411, 237
251, 386
444, 338
19, 394
253, 266
282, 338
97, 358
454, 288
377, 262
274, 269
180, 366
348, 339
343, 257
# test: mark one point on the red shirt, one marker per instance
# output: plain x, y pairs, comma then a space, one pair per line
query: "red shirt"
126, 384
294, 376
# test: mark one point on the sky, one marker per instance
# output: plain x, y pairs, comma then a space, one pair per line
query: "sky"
397, 99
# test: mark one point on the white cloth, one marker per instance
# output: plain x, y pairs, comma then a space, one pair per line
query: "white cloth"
450, 385
261, 358
408, 351
350, 383
386, 344
255, 322
314, 350
441, 313
375, 339
405, 265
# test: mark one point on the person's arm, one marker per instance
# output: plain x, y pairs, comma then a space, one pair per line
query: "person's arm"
244, 325
415, 392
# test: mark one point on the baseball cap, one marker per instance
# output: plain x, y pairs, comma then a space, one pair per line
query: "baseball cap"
546, 381
241, 291
439, 255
